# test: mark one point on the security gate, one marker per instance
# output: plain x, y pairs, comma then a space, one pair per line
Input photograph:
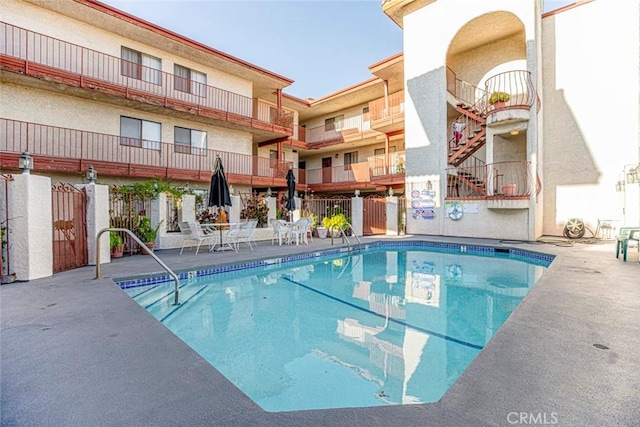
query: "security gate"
374, 215
69, 227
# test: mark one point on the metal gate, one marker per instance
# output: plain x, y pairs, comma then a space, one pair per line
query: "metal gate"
374, 215
69, 227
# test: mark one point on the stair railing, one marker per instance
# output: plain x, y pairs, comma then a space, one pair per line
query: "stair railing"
144, 247
344, 235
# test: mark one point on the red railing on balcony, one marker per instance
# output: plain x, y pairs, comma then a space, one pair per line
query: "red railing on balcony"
490, 181
516, 84
390, 106
374, 167
350, 127
88, 68
72, 150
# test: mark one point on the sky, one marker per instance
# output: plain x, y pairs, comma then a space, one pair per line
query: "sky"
323, 45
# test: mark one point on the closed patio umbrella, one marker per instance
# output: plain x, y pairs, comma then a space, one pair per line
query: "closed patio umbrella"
291, 187
219, 192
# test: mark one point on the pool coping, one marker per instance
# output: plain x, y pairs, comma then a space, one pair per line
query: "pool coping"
78, 351
533, 257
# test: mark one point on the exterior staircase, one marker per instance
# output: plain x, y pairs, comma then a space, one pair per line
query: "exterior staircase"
473, 138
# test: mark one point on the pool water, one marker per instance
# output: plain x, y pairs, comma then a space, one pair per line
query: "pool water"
381, 327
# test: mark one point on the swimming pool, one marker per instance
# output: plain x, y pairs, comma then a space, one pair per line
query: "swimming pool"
394, 324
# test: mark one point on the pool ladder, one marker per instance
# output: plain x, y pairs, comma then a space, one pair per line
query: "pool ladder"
176, 292
344, 236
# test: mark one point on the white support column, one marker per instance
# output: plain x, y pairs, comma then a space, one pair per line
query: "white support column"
392, 216
187, 211
97, 219
357, 215
30, 227
297, 212
235, 208
272, 205
158, 215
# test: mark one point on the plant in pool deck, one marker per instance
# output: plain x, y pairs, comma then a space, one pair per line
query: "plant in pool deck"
339, 220
499, 97
116, 243
145, 231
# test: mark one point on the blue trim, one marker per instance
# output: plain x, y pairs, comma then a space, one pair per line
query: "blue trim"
531, 257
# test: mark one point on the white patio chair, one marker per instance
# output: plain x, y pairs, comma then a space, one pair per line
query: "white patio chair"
300, 229
191, 231
242, 232
280, 230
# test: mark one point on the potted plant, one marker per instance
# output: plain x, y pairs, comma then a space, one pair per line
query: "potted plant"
147, 233
335, 222
116, 242
498, 99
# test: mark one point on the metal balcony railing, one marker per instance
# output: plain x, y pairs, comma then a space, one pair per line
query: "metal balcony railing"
349, 127
363, 172
72, 150
390, 106
45, 56
491, 181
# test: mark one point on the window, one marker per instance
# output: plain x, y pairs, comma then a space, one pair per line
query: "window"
139, 66
140, 133
333, 123
190, 141
350, 158
189, 81
378, 152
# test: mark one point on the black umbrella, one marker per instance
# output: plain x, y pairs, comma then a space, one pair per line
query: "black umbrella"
219, 193
291, 186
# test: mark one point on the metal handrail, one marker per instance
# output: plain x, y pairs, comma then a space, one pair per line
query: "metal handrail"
344, 236
176, 292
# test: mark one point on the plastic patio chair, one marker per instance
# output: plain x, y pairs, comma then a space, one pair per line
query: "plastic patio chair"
191, 231
623, 241
621, 238
300, 229
280, 230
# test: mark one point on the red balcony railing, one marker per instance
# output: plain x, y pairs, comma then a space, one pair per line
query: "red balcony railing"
63, 149
391, 106
350, 127
363, 172
516, 84
491, 181
45, 56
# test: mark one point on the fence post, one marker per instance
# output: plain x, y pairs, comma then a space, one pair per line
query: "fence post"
31, 226
392, 216
158, 215
357, 215
187, 211
98, 217
235, 208
273, 210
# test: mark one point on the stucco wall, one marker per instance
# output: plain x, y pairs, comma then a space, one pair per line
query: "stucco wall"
426, 102
591, 111
33, 18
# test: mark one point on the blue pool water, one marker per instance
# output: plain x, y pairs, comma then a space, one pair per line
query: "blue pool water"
387, 326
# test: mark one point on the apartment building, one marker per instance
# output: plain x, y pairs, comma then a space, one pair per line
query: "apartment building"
506, 131
495, 128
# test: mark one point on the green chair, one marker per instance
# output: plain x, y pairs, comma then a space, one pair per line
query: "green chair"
627, 234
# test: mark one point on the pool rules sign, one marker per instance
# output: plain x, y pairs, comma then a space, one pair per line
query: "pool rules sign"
423, 204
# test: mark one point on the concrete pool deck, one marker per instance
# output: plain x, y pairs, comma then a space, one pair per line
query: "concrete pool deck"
76, 351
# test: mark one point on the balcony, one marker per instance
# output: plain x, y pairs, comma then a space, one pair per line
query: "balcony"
71, 151
505, 185
387, 114
375, 173
25, 52
351, 129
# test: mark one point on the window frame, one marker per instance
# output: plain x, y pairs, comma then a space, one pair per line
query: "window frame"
138, 141
141, 68
186, 83
183, 148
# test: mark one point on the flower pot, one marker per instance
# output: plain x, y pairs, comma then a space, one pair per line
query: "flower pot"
499, 105
117, 251
150, 246
509, 189
322, 232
